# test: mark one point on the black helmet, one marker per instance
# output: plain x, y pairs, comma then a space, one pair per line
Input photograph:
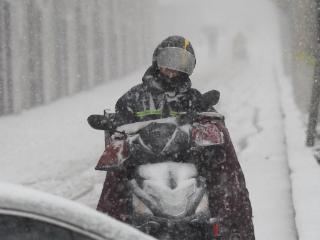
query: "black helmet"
176, 53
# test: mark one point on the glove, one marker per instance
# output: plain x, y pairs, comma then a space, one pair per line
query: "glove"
100, 122
187, 118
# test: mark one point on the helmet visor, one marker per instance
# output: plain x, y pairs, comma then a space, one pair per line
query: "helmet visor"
176, 59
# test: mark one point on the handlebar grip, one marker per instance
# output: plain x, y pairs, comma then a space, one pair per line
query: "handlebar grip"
100, 122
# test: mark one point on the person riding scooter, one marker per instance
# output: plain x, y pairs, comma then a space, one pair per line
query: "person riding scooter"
166, 91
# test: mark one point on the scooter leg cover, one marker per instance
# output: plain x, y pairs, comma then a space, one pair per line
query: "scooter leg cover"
114, 199
228, 195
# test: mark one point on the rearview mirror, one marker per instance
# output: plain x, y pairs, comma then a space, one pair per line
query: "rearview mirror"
210, 98
100, 122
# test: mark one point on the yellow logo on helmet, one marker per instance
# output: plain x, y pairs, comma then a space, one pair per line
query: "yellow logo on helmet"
186, 43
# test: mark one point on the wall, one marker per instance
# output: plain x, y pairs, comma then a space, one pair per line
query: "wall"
299, 34
53, 48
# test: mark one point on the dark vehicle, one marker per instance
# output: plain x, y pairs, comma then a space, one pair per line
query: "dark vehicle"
32, 215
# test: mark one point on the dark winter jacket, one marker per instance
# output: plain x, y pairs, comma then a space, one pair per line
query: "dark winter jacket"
228, 196
151, 100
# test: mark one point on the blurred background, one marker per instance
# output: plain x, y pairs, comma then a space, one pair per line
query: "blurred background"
53, 48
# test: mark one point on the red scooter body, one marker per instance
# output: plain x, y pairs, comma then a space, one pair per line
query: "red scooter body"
202, 133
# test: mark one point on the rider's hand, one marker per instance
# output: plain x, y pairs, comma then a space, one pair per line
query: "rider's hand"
187, 118
100, 122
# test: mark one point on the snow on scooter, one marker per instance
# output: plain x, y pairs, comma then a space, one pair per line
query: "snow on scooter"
168, 193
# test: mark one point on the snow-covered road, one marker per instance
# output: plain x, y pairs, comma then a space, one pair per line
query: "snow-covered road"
60, 150
254, 117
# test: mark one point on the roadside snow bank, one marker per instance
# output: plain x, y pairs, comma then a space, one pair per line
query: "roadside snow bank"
305, 172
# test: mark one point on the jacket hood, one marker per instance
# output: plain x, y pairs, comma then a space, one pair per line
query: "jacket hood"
151, 79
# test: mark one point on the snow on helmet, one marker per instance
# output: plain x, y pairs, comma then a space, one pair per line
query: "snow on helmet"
175, 53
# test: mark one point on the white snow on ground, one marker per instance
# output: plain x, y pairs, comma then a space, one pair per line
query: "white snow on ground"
305, 172
250, 101
52, 148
